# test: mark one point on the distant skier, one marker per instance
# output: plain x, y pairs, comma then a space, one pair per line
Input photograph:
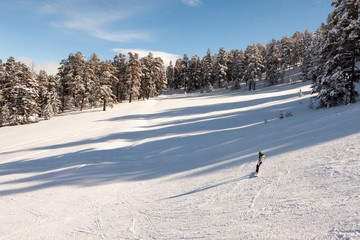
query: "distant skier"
261, 158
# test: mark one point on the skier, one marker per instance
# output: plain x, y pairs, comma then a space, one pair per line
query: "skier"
261, 158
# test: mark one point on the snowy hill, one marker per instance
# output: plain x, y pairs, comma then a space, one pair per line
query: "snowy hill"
182, 167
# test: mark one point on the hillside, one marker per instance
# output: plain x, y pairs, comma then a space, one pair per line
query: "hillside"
182, 167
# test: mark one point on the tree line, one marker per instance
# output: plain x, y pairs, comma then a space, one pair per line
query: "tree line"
79, 84
230, 69
329, 58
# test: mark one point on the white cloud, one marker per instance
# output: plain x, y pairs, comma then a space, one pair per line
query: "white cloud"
166, 57
97, 30
50, 67
119, 36
94, 21
192, 3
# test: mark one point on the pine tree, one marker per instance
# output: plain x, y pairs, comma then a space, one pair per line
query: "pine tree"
254, 65
307, 55
221, 68
159, 73
286, 53
103, 91
53, 91
194, 74
296, 48
170, 75
177, 74
29, 104
272, 63
80, 91
24, 96
120, 65
148, 86
315, 66
207, 72
9, 79
66, 73
48, 99
87, 86
338, 55
230, 66
184, 72
133, 76
72, 82
262, 51
4, 111
238, 68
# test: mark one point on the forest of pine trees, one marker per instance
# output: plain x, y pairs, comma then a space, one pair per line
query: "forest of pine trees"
25, 97
230, 69
329, 58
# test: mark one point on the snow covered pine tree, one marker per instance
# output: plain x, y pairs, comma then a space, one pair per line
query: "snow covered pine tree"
338, 56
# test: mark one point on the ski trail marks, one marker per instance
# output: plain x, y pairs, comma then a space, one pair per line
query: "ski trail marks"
262, 203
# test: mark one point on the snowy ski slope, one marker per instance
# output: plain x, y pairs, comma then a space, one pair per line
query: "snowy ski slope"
182, 167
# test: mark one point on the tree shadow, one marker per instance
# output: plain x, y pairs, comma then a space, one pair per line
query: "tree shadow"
210, 108
200, 144
193, 122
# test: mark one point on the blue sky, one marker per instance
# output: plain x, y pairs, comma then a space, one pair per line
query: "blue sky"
46, 31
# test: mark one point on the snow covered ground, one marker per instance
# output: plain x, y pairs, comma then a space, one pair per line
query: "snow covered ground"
182, 167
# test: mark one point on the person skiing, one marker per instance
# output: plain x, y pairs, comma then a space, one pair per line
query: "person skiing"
261, 158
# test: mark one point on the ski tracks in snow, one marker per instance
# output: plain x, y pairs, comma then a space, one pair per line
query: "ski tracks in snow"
263, 199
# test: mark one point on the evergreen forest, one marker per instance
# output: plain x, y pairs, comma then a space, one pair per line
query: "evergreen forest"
329, 58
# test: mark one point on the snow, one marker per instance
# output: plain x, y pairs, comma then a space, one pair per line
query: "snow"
182, 167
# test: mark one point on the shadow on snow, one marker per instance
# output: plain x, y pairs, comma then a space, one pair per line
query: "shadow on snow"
200, 144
